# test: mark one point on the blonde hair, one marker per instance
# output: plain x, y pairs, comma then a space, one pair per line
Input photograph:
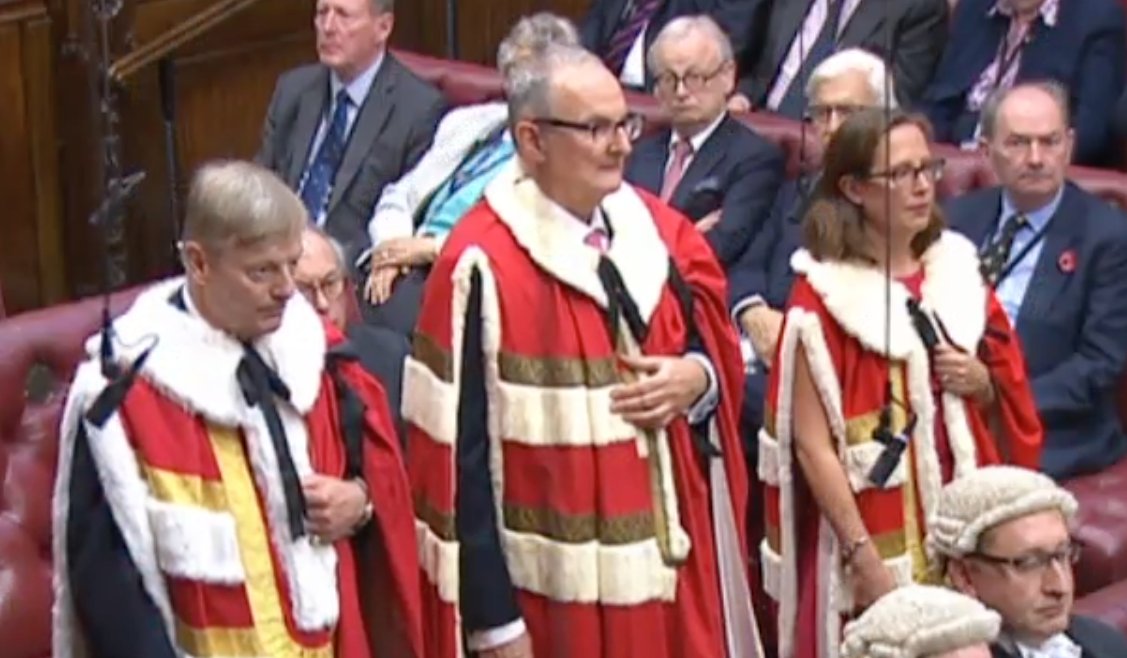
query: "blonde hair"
240, 202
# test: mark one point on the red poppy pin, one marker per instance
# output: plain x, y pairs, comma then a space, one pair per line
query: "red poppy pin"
1067, 261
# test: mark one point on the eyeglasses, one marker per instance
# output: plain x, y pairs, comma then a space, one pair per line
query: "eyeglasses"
600, 131
331, 287
823, 113
1034, 562
907, 174
693, 80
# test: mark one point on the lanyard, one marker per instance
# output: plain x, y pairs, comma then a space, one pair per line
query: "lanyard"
1014, 260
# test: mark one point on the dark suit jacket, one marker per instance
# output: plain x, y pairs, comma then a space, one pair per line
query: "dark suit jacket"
1072, 324
737, 17
382, 352
1084, 51
1096, 639
919, 29
736, 167
393, 129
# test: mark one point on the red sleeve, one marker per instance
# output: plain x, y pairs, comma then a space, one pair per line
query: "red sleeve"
1017, 426
387, 563
697, 264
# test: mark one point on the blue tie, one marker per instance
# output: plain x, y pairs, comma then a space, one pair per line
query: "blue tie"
319, 178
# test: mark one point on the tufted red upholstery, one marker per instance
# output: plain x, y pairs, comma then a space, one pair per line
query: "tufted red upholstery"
39, 350
38, 354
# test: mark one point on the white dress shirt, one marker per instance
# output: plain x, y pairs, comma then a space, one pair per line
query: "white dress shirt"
804, 40
634, 67
1057, 646
697, 141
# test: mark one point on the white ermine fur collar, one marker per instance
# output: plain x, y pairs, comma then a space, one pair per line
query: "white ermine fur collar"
194, 363
637, 249
854, 294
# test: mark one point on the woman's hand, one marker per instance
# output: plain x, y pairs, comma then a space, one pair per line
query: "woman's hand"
405, 252
963, 374
870, 578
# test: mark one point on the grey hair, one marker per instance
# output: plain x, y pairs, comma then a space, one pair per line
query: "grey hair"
383, 6
529, 89
683, 26
234, 200
337, 249
530, 37
988, 117
856, 60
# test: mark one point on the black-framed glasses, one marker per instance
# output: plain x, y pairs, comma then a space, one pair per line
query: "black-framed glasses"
1036, 561
906, 174
822, 112
600, 130
694, 81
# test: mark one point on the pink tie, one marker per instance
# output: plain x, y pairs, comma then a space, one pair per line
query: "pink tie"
597, 240
682, 151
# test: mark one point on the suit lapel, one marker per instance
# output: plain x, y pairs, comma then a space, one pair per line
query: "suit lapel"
369, 123
977, 222
790, 22
866, 20
1048, 279
650, 166
712, 153
310, 110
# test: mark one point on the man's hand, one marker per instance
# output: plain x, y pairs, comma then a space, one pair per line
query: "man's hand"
518, 648
963, 374
871, 579
667, 386
762, 325
708, 221
380, 282
333, 507
739, 103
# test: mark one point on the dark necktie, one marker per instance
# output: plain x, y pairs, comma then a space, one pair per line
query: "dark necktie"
635, 18
319, 179
260, 385
996, 255
793, 104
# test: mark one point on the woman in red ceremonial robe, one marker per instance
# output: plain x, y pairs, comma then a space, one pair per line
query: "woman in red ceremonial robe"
890, 331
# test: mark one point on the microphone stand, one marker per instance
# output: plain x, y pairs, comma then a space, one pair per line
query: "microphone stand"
166, 74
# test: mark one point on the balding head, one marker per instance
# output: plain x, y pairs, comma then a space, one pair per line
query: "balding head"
320, 275
1027, 138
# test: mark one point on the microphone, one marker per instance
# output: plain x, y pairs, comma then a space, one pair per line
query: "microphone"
922, 324
894, 447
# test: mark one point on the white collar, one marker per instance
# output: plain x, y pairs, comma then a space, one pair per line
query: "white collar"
360, 86
1057, 646
697, 141
194, 363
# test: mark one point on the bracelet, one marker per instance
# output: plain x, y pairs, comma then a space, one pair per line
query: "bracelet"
850, 550
366, 516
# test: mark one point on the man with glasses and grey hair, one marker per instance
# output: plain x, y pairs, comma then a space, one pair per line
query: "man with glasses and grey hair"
708, 165
415, 214
572, 399
1001, 535
1057, 257
760, 281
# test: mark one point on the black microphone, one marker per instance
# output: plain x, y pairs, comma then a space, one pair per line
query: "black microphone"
889, 458
923, 325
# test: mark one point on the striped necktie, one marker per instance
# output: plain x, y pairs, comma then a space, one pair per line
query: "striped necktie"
638, 13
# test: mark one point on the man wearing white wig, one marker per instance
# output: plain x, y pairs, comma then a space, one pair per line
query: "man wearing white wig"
1001, 535
922, 621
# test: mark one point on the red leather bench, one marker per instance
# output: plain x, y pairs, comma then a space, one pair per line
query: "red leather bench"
39, 351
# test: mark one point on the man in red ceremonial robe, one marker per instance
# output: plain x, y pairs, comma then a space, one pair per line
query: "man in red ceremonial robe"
229, 481
572, 401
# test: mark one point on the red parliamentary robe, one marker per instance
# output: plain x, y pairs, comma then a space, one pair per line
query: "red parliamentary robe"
573, 485
191, 478
835, 315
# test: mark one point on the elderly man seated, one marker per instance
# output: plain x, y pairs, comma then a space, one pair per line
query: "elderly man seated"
1001, 534
415, 214
922, 621
322, 279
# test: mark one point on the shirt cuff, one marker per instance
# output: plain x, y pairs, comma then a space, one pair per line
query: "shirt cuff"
744, 304
494, 637
707, 402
